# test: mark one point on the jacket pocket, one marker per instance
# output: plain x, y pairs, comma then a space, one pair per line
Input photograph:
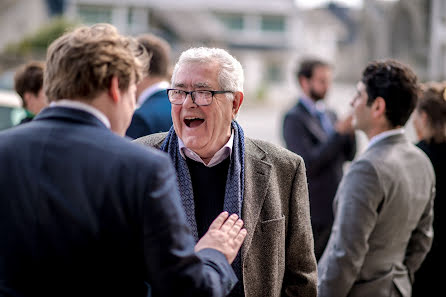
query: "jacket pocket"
273, 242
394, 283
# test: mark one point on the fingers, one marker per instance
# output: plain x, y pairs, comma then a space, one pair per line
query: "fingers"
233, 232
218, 222
238, 240
229, 223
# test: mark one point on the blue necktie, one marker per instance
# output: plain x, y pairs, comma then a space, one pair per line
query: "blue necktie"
325, 122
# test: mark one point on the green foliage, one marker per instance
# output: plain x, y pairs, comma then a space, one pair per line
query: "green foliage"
40, 40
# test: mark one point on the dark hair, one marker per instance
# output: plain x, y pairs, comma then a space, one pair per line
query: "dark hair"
29, 78
397, 84
160, 51
307, 66
433, 103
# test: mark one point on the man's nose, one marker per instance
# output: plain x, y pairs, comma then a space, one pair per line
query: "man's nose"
189, 102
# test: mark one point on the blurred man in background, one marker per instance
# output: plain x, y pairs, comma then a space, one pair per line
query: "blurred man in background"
153, 113
28, 83
313, 132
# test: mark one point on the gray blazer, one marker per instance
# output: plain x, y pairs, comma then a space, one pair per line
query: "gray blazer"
277, 255
383, 223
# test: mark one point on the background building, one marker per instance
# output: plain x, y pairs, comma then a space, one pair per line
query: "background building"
268, 37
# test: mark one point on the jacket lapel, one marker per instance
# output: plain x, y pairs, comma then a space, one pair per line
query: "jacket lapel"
257, 172
312, 124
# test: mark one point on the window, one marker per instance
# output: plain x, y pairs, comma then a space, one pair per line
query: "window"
273, 23
232, 21
274, 72
94, 14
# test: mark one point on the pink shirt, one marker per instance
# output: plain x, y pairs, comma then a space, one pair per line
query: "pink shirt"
219, 156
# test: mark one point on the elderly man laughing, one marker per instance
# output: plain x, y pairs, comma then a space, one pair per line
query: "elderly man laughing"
218, 168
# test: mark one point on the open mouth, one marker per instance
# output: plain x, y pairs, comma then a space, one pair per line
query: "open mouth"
193, 122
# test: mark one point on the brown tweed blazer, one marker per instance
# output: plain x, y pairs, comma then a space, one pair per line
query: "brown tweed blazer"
277, 255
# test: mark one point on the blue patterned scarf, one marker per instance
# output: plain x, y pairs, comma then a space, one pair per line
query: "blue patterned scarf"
234, 182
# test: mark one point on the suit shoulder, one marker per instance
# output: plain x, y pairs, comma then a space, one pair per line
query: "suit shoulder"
277, 154
153, 140
293, 111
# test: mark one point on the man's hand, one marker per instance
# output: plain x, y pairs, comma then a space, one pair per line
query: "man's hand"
224, 235
344, 126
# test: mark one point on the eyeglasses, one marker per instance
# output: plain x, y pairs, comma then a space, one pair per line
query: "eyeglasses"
201, 98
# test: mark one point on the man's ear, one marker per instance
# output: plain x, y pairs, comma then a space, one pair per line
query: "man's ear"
303, 83
28, 98
236, 103
379, 107
114, 91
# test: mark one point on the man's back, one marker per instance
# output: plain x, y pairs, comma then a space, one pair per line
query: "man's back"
383, 222
84, 212
152, 117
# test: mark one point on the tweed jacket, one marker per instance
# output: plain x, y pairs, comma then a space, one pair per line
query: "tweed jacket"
383, 223
277, 254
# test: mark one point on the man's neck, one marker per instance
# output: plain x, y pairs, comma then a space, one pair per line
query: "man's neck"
378, 130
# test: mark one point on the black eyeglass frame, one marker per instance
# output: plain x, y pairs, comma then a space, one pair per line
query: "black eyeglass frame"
213, 93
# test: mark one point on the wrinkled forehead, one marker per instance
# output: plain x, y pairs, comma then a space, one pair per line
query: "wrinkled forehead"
196, 75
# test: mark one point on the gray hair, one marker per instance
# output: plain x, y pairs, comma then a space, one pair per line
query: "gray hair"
230, 76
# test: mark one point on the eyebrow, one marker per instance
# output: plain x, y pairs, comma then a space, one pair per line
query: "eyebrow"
199, 85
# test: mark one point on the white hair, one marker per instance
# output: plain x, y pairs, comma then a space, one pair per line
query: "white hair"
230, 75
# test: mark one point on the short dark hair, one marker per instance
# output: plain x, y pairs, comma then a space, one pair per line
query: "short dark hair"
307, 66
160, 51
397, 84
433, 103
29, 78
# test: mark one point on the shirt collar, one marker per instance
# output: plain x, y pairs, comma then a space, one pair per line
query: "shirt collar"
219, 156
29, 114
159, 86
377, 138
313, 108
84, 107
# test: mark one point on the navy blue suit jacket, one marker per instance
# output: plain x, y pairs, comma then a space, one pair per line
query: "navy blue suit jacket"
84, 212
153, 116
324, 155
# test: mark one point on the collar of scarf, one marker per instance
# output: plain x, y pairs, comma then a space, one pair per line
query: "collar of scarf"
234, 182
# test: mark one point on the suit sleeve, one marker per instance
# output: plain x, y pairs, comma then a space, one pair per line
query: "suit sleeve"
172, 267
138, 127
358, 199
301, 269
316, 156
421, 240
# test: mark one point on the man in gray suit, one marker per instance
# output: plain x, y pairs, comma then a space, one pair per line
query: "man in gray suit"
383, 207
218, 168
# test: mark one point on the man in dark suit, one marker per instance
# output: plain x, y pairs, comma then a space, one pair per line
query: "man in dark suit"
83, 211
28, 83
324, 143
153, 114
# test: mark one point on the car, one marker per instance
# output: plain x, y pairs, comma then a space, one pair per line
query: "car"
11, 111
